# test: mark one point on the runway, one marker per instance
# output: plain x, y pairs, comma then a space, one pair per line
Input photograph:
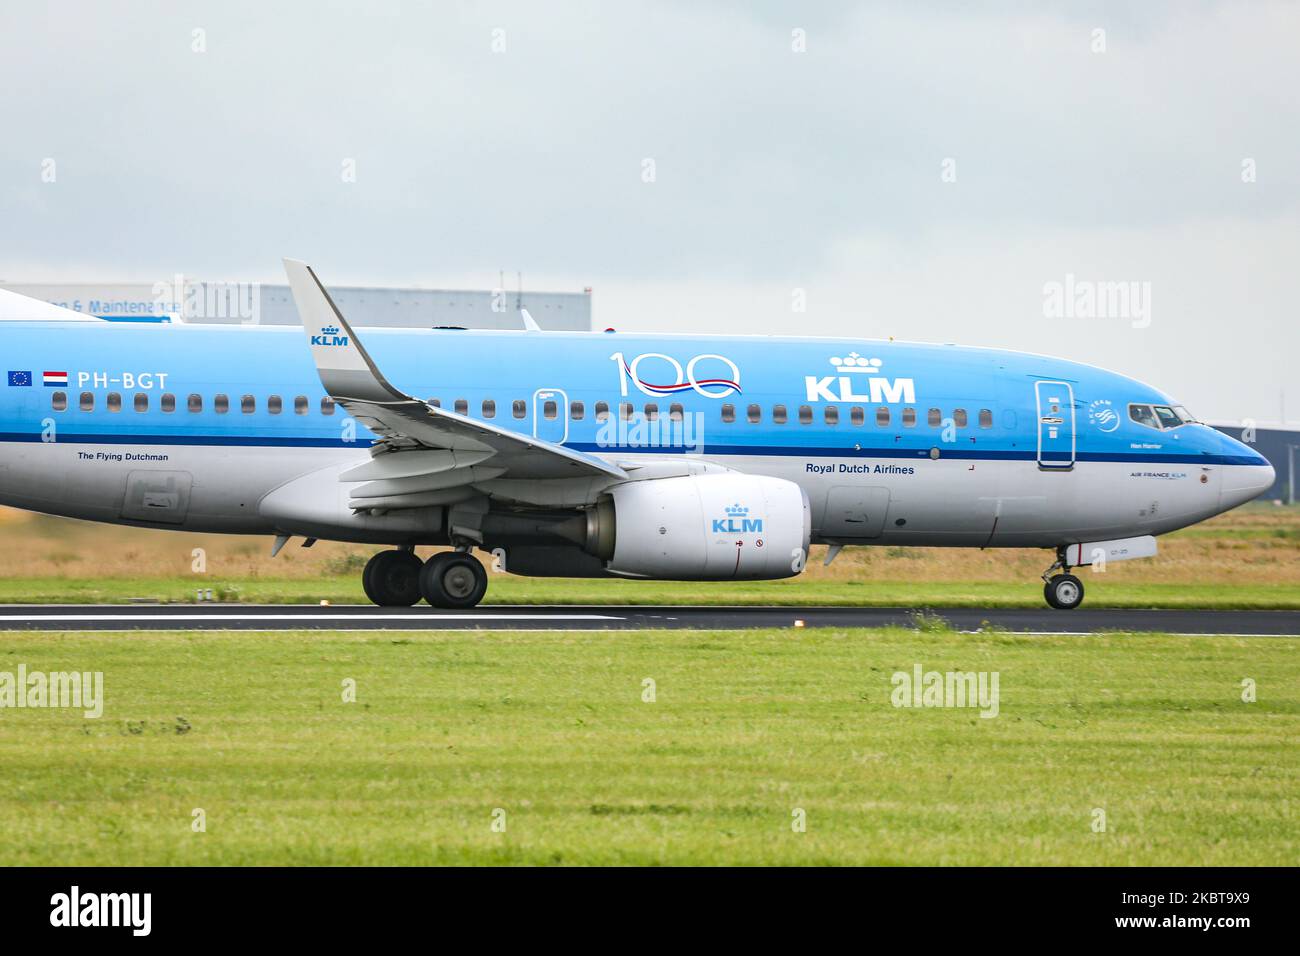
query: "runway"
239, 617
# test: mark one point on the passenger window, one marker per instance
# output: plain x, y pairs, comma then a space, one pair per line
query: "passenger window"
195, 403
754, 414
909, 417
986, 418
832, 414
577, 411
778, 414
728, 412
550, 409
489, 408
959, 417
934, 418
1167, 417
435, 402
220, 404
461, 406
625, 411
857, 415
141, 401
87, 403
602, 411
327, 406
273, 404
299, 404
805, 414
675, 412
114, 402
59, 401
519, 408
168, 403
882, 416
651, 412
248, 404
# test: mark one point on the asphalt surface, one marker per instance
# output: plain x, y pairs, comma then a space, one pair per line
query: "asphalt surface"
564, 618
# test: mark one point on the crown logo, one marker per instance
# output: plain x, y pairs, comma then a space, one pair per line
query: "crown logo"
736, 511
853, 362
329, 330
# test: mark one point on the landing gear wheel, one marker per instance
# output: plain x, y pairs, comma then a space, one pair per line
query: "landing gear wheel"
1064, 592
392, 579
453, 580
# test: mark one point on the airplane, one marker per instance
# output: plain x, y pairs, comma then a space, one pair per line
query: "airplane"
579, 454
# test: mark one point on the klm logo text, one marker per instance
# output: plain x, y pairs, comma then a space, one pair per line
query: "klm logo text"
329, 335
881, 391
737, 521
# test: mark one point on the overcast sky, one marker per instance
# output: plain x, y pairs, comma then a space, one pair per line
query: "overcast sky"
924, 171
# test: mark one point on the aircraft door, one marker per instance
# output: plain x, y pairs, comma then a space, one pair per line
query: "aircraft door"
158, 496
855, 511
1056, 436
551, 415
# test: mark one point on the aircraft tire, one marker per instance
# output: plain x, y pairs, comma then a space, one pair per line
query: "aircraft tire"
453, 579
1064, 592
392, 579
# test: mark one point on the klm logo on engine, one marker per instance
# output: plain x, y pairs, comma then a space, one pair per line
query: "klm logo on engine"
856, 370
737, 521
329, 335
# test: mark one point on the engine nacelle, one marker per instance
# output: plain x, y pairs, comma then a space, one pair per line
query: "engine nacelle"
726, 527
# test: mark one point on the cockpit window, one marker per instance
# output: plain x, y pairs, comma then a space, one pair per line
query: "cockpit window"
1160, 416
1167, 417
1143, 415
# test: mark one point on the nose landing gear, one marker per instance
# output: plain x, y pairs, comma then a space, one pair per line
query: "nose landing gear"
1062, 591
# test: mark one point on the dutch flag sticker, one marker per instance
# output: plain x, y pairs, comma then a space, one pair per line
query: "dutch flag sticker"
56, 379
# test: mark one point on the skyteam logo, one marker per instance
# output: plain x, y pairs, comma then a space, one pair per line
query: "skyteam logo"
1102, 414
857, 371
329, 335
737, 521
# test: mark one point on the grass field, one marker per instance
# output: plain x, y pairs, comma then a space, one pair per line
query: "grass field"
1248, 558
746, 729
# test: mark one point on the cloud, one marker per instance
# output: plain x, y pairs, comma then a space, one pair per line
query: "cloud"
773, 168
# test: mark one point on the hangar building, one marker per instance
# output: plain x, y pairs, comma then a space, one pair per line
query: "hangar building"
257, 303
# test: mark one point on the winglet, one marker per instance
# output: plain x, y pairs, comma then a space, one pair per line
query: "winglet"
345, 368
530, 323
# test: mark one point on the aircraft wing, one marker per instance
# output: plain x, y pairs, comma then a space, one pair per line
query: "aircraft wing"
352, 379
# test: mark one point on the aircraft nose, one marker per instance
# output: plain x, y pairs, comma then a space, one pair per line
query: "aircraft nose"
1246, 476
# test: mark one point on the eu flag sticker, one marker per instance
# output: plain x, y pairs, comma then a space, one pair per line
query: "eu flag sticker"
20, 378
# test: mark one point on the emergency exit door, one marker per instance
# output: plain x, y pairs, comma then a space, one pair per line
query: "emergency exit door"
551, 415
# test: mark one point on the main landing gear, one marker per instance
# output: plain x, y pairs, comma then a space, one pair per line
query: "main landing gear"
1063, 591
450, 579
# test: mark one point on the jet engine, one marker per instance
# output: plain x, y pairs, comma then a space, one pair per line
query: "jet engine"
727, 527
